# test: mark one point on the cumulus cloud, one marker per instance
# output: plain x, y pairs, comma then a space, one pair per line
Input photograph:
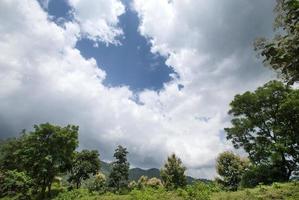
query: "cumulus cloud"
209, 45
98, 19
44, 78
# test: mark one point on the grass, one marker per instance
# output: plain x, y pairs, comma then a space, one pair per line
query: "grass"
277, 191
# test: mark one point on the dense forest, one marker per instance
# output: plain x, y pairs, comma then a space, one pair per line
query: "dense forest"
45, 163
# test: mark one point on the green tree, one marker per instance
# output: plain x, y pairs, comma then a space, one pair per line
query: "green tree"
119, 176
281, 52
265, 124
10, 153
84, 164
230, 167
173, 173
46, 152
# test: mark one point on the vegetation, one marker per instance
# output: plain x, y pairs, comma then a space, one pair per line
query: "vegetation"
119, 176
84, 164
281, 52
231, 169
265, 125
173, 173
43, 153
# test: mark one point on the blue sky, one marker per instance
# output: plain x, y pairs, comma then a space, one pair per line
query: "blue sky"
52, 71
131, 63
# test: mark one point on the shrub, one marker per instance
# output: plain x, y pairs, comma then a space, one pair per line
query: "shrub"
14, 183
154, 183
96, 183
132, 185
200, 191
142, 181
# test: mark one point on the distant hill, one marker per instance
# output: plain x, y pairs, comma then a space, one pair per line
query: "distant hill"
136, 173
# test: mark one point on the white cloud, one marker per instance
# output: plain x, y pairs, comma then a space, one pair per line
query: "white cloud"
209, 44
99, 19
44, 77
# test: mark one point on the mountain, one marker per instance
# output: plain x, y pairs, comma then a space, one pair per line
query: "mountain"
106, 168
136, 173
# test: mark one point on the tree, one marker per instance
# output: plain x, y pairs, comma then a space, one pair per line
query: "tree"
46, 152
84, 164
231, 168
265, 123
10, 153
281, 52
173, 173
119, 176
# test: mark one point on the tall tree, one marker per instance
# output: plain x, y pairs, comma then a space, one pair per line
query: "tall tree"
265, 123
84, 164
173, 173
231, 168
43, 153
119, 176
281, 52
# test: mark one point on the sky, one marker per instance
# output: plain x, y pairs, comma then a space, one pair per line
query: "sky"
154, 76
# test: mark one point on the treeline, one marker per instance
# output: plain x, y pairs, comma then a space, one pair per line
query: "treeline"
31, 163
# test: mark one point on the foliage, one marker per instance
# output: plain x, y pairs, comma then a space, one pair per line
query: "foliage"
198, 191
84, 164
282, 191
173, 173
154, 183
265, 124
42, 153
281, 52
119, 176
10, 153
144, 182
231, 168
96, 183
132, 185
261, 174
14, 183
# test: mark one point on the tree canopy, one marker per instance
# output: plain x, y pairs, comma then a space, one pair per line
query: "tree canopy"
281, 52
173, 173
231, 168
119, 176
84, 164
42, 153
265, 123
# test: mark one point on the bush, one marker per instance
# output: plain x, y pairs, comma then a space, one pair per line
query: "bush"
199, 191
142, 181
132, 185
261, 174
154, 183
96, 183
14, 183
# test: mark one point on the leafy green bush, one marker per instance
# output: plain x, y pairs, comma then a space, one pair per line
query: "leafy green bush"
96, 183
14, 183
199, 191
154, 183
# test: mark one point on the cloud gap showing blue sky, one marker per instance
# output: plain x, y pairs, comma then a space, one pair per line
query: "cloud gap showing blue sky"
130, 63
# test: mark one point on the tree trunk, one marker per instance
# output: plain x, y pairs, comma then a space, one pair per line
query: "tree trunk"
49, 189
43, 191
